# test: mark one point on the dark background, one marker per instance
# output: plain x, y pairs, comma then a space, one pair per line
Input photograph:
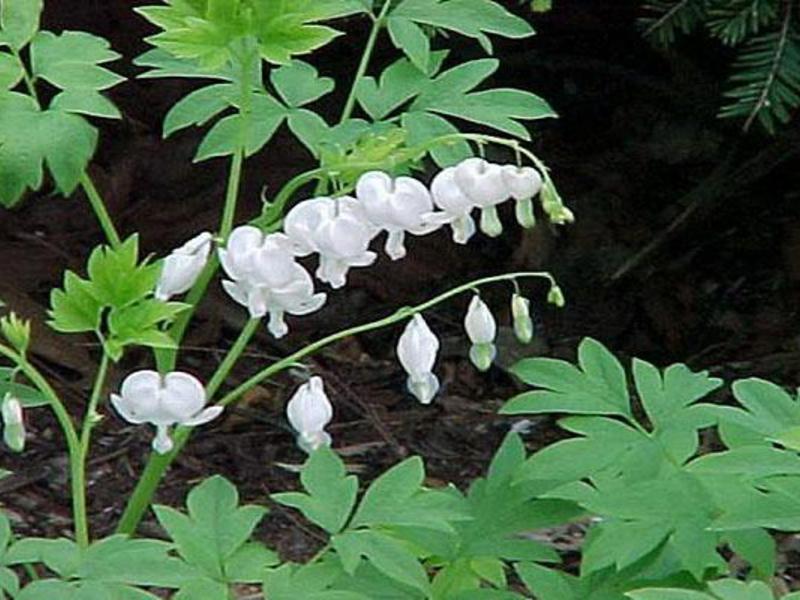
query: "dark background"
686, 248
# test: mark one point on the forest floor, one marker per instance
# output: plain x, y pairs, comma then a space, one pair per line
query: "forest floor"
686, 249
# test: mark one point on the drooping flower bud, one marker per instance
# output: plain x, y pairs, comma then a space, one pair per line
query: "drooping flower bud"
481, 330
183, 266
309, 412
556, 296
417, 349
174, 399
521, 314
13, 423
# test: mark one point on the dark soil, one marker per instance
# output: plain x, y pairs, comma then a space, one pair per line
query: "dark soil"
687, 248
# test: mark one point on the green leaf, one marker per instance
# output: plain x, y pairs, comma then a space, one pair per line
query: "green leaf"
248, 563
330, 492
215, 528
198, 107
472, 18
385, 553
117, 277
66, 142
140, 323
769, 414
310, 128
253, 130
597, 388
73, 60
28, 396
19, 21
87, 102
411, 39
757, 547
207, 589
74, 309
299, 83
668, 594
423, 126
11, 72
398, 498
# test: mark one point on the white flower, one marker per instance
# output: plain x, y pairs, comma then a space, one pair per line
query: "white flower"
13, 423
484, 183
521, 313
397, 206
296, 297
455, 204
266, 278
481, 330
183, 266
416, 350
174, 399
309, 412
335, 228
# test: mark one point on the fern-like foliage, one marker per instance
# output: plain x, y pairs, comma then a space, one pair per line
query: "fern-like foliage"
732, 21
764, 86
766, 78
666, 19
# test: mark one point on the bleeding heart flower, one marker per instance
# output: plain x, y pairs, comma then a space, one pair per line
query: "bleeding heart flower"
484, 183
259, 259
397, 206
523, 184
309, 412
174, 399
481, 330
417, 349
183, 266
455, 206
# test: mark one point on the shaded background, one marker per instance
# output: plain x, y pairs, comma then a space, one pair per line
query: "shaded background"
687, 248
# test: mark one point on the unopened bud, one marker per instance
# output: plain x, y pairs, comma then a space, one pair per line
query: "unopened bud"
556, 296
13, 424
17, 331
521, 313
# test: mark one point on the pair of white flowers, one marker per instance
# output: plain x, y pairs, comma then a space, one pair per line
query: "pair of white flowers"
179, 398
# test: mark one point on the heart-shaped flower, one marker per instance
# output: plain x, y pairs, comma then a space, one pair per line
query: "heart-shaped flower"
417, 349
484, 183
523, 184
258, 259
174, 399
304, 220
309, 412
397, 206
455, 206
183, 266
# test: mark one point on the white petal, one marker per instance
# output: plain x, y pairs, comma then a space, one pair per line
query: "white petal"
182, 397
179, 274
447, 194
395, 244
417, 348
463, 229
482, 181
277, 325
479, 322
309, 409
424, 388
522, 182
204, 416
162, 443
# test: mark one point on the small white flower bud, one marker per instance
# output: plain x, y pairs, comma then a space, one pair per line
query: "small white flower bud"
521, 313
309, 412
13, 423
417, 349
183, 267
481, 330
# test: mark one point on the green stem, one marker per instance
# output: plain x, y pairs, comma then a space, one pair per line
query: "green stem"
232, 194
62, 416
139, 500
377, 25
78, 467
158, 463
99, 207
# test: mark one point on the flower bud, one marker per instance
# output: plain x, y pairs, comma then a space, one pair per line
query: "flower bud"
183, 266
521, 313
481, 330
13, 424
417, 349
556, 296
309, 412
17, 331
